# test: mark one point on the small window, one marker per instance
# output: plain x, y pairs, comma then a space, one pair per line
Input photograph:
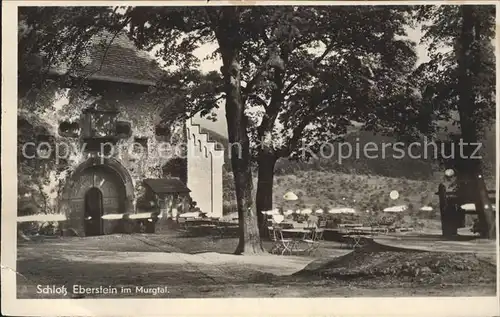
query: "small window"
140, 145
69, 129
123, 129
102, 124
99, 123
162, 132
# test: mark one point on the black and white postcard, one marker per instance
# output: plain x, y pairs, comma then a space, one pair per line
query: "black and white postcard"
249, 158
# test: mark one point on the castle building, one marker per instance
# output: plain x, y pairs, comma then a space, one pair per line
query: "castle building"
122, 161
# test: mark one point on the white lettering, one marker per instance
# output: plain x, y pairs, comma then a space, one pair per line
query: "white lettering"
51, 289
152, 290
24, 150
78, 289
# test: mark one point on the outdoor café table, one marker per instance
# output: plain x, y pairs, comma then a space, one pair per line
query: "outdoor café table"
297, 235
281, 244
285, 225
361, 230
296, 232
350, 225
380, 229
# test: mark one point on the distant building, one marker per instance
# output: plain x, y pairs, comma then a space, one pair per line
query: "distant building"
123, 159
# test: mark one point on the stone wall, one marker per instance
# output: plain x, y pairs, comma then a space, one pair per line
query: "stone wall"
182, 151
139, 164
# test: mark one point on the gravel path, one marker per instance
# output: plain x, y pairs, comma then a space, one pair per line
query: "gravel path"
195, 267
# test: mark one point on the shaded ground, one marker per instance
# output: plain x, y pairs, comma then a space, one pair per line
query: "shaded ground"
195, 267
172, 242
432, 241
375, 265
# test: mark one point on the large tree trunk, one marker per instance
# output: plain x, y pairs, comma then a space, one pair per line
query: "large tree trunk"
267, 155
264, 197
472, 179
240, 160
485, 210
237, 122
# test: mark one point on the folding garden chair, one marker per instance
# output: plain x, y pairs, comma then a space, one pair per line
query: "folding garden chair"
314, 242
356, 241
281, 245
274, 238
351, 239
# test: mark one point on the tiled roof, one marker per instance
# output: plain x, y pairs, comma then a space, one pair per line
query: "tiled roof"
119, 62
166, 185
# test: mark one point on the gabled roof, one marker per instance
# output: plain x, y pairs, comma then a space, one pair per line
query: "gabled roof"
166, 185
119, 61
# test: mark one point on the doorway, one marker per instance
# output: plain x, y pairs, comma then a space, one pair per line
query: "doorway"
93, 212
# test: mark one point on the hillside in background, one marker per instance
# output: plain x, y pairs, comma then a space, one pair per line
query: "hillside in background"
361, 183
326, 190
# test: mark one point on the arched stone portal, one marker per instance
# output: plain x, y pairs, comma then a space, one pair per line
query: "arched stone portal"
115, 185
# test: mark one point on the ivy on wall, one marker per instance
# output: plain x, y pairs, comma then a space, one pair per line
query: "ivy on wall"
39, 189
